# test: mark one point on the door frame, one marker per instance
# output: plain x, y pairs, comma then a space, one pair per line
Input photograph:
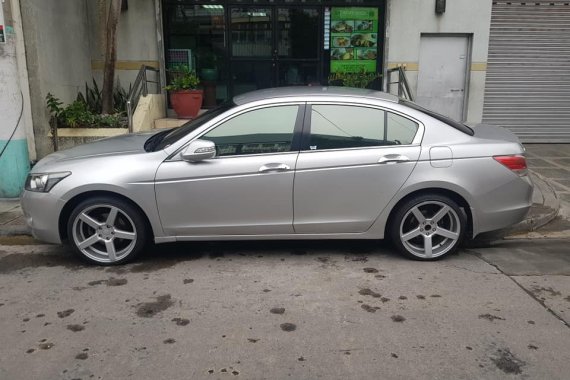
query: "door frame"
468, 58
274, 59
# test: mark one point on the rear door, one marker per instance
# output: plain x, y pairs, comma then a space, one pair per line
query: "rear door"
354, 159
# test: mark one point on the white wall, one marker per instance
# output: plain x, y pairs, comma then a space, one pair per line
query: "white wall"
408, 19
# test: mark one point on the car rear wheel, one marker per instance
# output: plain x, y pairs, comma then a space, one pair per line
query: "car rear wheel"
106, 231
428, 227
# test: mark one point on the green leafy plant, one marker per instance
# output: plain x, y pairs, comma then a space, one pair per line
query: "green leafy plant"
94, 99
80, 114
358, 80
182, 79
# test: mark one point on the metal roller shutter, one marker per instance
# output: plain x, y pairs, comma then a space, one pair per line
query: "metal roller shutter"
528, 72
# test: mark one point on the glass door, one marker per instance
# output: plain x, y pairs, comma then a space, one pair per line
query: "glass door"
274, 46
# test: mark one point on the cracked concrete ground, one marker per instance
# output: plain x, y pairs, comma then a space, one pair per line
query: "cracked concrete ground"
275, 310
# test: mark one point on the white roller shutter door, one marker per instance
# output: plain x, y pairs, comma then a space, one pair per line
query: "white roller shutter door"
528, 72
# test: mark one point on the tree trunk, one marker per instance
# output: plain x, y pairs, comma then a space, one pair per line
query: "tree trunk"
110, 56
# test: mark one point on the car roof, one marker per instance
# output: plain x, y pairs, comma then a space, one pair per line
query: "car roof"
307, 91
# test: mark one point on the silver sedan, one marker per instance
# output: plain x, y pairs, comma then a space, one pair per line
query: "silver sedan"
288, 163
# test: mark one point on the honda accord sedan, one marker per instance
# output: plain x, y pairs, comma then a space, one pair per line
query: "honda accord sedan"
287, 163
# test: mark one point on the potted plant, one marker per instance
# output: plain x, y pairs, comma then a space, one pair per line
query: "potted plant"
209, 69
185, 97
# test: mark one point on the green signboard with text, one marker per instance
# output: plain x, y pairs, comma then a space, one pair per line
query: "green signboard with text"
354, 39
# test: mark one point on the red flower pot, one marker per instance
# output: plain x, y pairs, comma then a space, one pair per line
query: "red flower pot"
186, 103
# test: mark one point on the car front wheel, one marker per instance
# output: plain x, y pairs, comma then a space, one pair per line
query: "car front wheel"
106, 231
428, 227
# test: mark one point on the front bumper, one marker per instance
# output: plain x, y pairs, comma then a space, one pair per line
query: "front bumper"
41, 212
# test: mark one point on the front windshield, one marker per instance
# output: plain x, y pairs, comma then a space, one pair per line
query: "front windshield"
178, 133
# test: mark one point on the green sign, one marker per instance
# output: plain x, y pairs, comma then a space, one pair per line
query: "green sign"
354, 39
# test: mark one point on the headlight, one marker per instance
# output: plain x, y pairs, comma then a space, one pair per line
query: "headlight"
44, 182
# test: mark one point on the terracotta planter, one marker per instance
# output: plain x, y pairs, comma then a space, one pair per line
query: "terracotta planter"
186, 103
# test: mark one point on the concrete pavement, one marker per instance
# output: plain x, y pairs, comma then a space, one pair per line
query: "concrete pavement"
279, 310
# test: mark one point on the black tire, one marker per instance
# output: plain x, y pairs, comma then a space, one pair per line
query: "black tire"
453, 224
130, 224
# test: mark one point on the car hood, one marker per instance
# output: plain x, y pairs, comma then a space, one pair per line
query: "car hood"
111, 146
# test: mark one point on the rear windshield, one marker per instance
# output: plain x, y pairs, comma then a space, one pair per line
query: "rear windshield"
178, 133
447, 120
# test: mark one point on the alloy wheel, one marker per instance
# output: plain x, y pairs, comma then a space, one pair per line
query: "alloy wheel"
104, 233
430, 229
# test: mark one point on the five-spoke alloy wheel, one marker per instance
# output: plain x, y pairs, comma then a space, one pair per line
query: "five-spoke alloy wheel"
105, 230
428, 227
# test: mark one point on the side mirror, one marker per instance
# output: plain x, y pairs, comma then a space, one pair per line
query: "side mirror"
199, 150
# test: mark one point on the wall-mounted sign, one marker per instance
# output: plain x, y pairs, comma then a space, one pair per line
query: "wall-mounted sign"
354, 39
2, 25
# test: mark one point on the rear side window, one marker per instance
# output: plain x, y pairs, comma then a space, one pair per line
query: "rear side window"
342, 127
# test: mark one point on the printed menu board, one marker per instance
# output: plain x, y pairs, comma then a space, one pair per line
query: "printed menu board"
354, 39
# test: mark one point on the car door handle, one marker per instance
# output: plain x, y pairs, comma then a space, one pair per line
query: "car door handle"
274, 168
393, 159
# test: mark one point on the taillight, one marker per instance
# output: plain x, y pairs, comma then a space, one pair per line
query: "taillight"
516, 162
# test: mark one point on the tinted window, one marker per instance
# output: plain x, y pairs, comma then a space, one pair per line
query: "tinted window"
447, 120
266, 130
338, 127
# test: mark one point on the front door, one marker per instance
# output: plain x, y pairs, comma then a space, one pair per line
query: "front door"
441, 77
247, 189
355, 161
274, 46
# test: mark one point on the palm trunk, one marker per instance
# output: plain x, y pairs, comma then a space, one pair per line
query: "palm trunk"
110, 56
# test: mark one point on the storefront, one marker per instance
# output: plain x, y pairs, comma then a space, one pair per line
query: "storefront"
239, 46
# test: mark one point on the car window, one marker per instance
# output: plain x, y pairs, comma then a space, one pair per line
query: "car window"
340, 126
266, 130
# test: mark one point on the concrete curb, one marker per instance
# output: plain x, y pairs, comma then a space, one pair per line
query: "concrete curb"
15, 231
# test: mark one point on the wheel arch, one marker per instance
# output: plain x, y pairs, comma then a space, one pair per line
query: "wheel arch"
75, 200
455, 196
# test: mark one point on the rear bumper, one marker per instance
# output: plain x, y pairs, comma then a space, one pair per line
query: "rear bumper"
41, 212
506, 206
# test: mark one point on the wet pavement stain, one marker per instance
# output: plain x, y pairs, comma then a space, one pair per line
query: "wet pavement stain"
65, 313
394, 355
150, 309
370, 270
46, 345
398, 318
277, 310
384, 299
288, 327
169, 341
112, 281
251, 340
82, 356
507, 362
380, 276
323, 259
368, 292
532, 347
435, 296
490, 317
19, 261
548, 290
420, 297
29, 351
76, 328
235, 373
402, 298
187, 281
361, 259
180, 321
565, 299
266, 290
370, 309
301, 359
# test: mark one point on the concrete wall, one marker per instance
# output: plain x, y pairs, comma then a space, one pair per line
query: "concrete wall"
408, 19
58, 57
136, 44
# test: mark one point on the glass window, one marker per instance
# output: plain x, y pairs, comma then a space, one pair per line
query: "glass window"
401, 130
252, 32
266, 130
341, 127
